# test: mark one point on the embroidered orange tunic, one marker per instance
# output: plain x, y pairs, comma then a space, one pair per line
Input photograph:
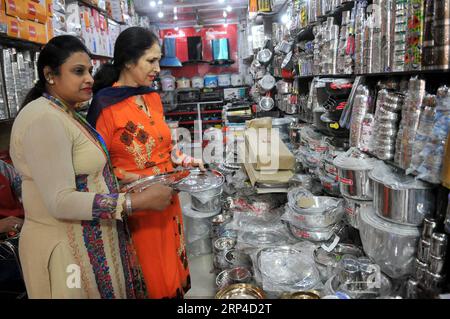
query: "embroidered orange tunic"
141, 143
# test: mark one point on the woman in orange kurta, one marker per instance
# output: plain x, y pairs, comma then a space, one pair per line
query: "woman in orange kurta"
129, 116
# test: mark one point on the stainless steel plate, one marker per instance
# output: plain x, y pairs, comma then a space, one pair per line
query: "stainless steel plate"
167, 179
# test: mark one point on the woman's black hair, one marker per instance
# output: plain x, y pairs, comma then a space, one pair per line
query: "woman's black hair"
53, 55
130, 46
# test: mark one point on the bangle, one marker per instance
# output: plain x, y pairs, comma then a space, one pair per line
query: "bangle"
128, 207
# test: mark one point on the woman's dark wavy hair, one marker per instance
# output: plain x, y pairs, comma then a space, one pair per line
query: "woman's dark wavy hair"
130, 46
53, 55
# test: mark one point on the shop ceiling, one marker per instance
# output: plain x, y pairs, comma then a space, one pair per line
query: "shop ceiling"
192, 13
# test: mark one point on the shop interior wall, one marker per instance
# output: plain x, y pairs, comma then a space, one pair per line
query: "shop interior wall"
207, 33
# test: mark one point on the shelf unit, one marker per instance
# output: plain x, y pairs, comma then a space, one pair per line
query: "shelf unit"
196, 126
101, 11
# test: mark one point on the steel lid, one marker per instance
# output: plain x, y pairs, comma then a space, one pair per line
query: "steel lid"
199, 181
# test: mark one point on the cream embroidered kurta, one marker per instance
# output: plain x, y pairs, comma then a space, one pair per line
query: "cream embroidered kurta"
73, 243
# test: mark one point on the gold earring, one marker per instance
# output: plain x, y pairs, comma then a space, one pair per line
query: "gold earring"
50, 81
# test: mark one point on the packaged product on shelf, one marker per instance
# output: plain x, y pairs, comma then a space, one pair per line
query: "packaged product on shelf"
433, 152
387, 33
401, 26
73, 19
413, 58
424, 130
361, 104
410, 120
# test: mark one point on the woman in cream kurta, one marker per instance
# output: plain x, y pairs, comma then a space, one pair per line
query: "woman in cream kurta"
73, 243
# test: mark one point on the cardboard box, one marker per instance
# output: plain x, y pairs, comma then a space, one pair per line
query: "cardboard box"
23, 30
265, 154
35, 11
13, 27
3, 22
49, 7
265, 177
40, 32
16, 8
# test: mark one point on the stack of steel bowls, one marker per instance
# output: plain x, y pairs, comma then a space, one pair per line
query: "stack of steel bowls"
311, 217
387, 117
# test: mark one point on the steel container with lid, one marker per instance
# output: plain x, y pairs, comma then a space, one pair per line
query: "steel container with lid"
205, 189
401, 198
353, 171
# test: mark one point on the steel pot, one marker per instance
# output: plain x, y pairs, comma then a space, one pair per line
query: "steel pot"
207, 202
352, 209
402, 203
316, 219
205, 189
355, 184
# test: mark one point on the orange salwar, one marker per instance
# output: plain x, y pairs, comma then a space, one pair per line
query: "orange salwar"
140, 143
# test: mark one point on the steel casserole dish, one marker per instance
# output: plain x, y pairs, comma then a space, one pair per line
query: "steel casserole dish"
392, 246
